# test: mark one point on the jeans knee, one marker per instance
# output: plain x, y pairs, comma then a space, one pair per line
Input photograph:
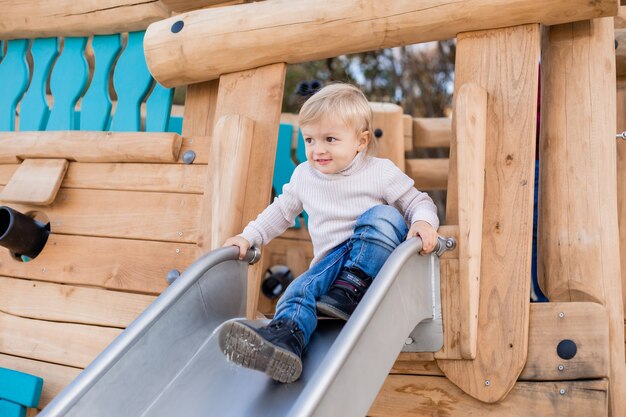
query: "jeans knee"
384, 219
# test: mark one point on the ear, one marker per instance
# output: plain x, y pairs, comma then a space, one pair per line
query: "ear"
364, 140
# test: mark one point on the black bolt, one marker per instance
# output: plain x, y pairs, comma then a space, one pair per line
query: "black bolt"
378, 133
178, 26
566, 349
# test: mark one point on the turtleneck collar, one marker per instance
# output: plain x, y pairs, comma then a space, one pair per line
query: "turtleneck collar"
356, 164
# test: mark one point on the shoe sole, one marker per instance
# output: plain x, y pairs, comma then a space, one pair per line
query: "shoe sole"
246, 348
331, 311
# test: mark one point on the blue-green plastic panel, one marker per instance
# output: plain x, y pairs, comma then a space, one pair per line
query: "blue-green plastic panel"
158, 108
10, 409
96, 105
67, 84
20, 388
34, 110
14, 76
132, 81
300, 151
175, 125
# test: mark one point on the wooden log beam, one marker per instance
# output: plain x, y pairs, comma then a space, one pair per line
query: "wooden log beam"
578, 238
229, 39
179, 6
90, 146
49, 18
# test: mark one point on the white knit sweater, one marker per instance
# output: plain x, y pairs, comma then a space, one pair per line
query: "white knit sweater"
334, 201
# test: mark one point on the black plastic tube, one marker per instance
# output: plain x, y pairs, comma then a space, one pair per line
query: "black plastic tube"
21, 234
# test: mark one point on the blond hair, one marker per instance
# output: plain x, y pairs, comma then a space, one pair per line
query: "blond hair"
345, 102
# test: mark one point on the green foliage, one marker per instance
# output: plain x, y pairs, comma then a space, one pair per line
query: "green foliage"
417, 77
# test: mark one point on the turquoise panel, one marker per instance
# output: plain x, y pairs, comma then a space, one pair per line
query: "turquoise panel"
158, 108
132, 81
9, 409
300, 151
13, 81
175, 125
34, 110
19, 387
95, 108
67, 84
284, 165
300, 158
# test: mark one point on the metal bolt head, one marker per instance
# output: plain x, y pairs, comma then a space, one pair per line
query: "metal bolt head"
561, 367
562, 391
177, 26
487, 382
172, 276
561, 314
177, 250
180, 233
408, 341
189, 157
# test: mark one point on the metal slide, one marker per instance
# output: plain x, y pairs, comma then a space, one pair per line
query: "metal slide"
167, 362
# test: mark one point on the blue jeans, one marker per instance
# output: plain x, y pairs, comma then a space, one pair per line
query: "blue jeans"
377, 233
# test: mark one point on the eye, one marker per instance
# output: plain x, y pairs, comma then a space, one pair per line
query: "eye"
308, 141
331, 139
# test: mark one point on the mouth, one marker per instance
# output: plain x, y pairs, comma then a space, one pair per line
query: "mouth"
323, 161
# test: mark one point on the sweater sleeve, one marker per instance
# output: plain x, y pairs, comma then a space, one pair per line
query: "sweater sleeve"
277, 217
400, 193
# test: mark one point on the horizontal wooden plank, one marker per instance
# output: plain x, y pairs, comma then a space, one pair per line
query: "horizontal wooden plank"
432, 132
56, 377
126, 214
172, 178
413, 396
584, 323
129, 265
90, 146
429, 174
251, 35
45, 18
61, 343
69, 303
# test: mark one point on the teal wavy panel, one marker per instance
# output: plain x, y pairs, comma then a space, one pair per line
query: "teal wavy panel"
67, 84
96, 105
132, 81
34, 110
14, 76
158, 108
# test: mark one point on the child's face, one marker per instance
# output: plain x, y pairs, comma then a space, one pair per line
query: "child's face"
331, 145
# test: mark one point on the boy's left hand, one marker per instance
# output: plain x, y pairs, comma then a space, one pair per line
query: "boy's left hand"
428, 234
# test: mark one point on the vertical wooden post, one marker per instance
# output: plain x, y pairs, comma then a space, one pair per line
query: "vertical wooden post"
255, 95
505, 63
621, 179
578, 235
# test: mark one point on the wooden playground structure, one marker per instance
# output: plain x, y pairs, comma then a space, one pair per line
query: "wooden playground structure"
132, 193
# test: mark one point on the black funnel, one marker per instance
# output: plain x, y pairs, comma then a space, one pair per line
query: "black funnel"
21, 234
275, 281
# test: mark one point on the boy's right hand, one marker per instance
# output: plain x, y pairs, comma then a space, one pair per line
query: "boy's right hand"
239, 241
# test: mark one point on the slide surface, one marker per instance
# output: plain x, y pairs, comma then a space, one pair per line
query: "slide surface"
167, 362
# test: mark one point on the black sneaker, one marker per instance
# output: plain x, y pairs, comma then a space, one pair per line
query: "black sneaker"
344, 294
275, 349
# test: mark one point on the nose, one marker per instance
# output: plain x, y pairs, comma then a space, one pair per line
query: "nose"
319, 148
